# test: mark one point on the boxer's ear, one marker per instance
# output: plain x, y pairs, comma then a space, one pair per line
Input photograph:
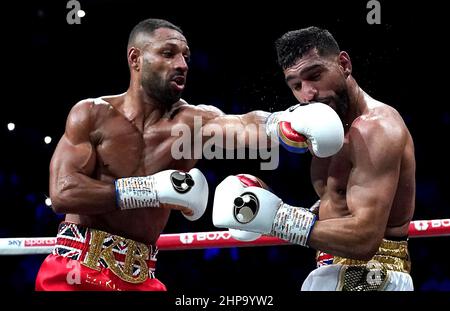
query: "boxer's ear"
345, 63
133, 58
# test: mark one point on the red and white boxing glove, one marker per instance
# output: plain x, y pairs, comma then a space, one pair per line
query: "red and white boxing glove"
314, 122
168, 187
256, 209
247, 181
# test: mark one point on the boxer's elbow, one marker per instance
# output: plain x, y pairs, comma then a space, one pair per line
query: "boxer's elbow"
57, 206
61, 195
365, 251
363, 236
357, 251
366, 246
61, 203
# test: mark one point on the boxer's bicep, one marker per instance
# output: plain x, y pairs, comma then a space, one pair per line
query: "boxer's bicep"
72, 158
74, 153
376, 153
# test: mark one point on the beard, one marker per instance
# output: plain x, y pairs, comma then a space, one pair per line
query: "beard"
342, 103
159, 89
339, 102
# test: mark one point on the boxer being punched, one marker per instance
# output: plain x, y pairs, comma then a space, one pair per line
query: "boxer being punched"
366, 189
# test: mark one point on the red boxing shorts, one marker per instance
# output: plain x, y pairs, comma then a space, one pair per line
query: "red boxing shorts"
87, 259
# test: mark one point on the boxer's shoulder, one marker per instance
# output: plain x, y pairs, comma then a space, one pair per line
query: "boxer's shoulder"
81, 111
91, 106
187, 112
381, 129
379, 113
89, 114
379, 118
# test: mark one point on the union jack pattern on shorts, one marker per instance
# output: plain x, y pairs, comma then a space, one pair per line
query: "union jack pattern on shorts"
324, 259
73, 241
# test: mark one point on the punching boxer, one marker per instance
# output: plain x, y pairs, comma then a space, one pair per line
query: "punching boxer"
113, 174
366, 190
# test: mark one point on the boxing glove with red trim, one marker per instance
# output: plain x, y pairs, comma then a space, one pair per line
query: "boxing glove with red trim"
314, 122
247, 181
256, 209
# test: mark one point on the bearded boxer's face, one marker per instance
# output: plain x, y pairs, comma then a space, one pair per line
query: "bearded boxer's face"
164, 66
315, 78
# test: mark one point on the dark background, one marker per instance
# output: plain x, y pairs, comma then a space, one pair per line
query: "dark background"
48, 65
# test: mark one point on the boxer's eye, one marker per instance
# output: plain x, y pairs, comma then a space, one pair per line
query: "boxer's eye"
315, 76
167, 54
297, 86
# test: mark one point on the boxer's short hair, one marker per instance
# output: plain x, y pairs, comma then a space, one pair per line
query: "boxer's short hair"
148, 26
294, 44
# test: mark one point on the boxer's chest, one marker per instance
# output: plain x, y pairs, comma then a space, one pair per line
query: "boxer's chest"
330, 178
330, 175
125, 151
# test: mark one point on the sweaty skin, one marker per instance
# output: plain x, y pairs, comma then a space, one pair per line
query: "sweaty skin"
367, 189
130, 135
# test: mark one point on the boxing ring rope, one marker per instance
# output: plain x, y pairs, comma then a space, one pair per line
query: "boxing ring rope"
202, 240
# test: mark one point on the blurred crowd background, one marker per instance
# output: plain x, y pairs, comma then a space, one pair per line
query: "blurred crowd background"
49, 65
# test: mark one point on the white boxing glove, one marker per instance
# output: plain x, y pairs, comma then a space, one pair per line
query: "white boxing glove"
247, 180
258, 210
246, 236
318, 122
168, 187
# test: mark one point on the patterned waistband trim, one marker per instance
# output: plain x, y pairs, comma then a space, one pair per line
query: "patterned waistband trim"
392, 255
131, 261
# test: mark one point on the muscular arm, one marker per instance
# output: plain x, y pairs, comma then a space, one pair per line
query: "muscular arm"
376, 149
246, 129
72, 190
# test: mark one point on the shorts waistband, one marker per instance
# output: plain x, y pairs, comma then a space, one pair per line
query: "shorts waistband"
131, 261
392, 255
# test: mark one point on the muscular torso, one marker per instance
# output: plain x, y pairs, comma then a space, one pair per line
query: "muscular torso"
330, 178
124, 150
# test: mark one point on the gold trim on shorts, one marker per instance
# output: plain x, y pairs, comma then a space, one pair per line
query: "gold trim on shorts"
373, 274
393, 255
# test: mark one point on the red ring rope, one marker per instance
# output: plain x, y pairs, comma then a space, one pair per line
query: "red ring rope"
201, 240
